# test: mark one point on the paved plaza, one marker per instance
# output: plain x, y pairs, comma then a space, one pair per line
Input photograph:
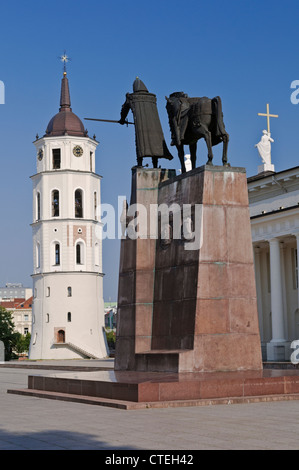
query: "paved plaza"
40, 424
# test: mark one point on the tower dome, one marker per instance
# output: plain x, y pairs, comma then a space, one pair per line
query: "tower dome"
65, 122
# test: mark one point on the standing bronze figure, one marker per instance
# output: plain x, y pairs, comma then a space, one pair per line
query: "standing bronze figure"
149, 137
191, 119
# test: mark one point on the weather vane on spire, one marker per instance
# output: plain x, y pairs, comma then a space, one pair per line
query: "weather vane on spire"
64, 58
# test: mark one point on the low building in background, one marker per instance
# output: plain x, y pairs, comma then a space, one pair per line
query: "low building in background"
110, 309
15, 291
22, 313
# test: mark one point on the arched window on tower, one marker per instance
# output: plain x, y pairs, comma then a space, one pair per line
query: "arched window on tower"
57, 254
79, 253
55, 203
95, 204
56, 159
78, 203
37, 255
38, 206
90, 160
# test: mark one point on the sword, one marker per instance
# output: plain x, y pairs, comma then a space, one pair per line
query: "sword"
108, 120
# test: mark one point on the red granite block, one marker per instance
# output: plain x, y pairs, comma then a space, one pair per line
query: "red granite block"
144, 319
143, 344
213, 280
243, 316
291, 384
214, 232
180, 390
231, 352
241, 280
145, 254
221, 388
239, 239
264, 386
124, 391
148, 392
126, 288
212, 316
127, 326
225, 188
144, 286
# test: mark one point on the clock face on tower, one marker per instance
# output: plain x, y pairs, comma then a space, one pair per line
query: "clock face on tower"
78, 151
40, 154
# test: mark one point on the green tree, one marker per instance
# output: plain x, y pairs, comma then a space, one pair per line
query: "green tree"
22, 343
7, 333
110, 339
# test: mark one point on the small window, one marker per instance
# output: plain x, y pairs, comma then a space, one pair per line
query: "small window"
69, 292
56, 159
37, 255
48, 291
69, 316
55, 203
90, 158
57, 254
38, 206
26, 317
79, 253
47, 318
78, 203
95, 203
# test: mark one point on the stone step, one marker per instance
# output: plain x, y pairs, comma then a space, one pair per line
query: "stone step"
144, 387
127, 405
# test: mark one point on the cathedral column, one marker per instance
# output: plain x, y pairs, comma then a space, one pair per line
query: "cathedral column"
276, 347
297, 247
258, 281
276, 292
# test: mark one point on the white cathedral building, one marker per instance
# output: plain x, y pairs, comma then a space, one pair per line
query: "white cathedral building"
274, 212
68, 307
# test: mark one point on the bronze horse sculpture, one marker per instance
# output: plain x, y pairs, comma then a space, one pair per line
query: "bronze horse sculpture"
191, 119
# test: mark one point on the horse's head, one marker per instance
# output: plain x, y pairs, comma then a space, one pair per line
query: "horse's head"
173, 104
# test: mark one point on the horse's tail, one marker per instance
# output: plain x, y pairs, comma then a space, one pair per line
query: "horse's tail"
219, 128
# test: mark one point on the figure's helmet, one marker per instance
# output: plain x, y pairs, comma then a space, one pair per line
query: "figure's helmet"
138, 85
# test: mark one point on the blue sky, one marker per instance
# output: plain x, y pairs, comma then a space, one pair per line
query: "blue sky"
244, 51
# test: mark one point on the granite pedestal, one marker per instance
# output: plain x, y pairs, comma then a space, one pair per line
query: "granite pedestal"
185, 306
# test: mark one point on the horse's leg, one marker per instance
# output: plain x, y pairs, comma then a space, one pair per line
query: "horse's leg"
225, 145
208, 139
182, 157
193, 154
155, 162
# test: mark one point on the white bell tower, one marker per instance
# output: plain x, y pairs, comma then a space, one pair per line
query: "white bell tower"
68, 307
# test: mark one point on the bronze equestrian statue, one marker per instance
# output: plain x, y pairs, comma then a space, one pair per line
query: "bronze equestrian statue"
191, 119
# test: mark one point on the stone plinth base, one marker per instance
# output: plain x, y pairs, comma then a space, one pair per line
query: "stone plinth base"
265, 167
189, 304
131, 390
